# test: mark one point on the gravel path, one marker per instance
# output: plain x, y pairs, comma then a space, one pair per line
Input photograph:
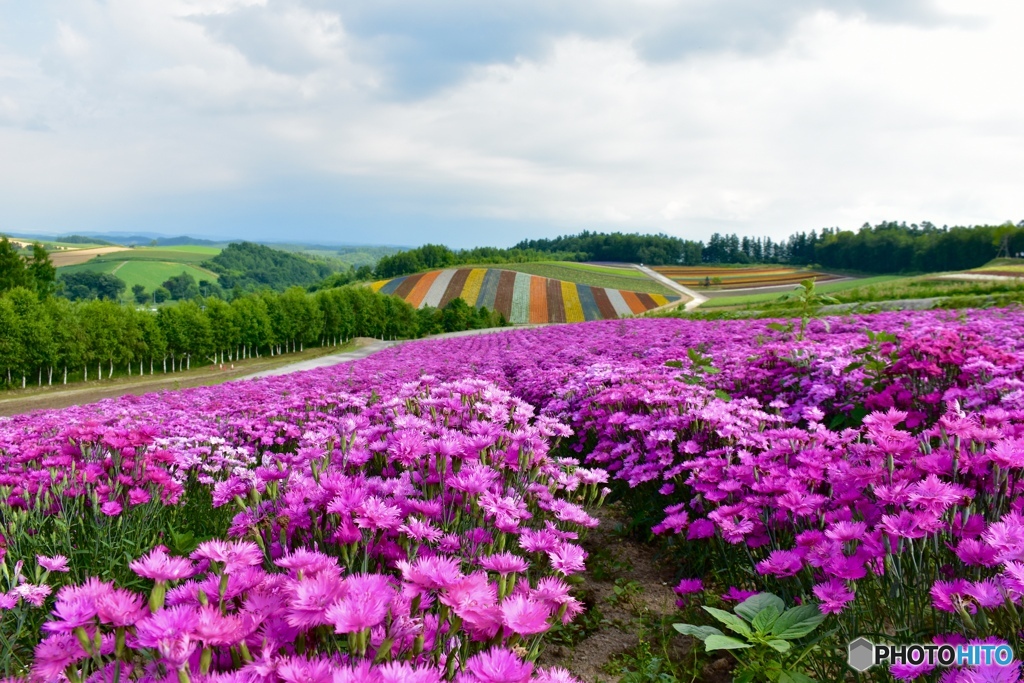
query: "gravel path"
372, 347
695, 298
326, 361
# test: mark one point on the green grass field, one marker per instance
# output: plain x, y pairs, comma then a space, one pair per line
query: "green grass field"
588, 274
185, 254
832, 288
1008, 265
149, 274
190, 248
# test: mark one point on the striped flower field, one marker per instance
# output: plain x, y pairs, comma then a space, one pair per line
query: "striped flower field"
739, 278
520, 297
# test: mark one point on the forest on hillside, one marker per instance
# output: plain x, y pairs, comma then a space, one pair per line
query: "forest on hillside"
888, 247
249, 267
46, 338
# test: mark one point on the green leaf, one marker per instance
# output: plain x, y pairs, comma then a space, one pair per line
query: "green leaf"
674, 363
779, 644
795, 677
853, 366
712, 370
722, 395
724, 643
749, 608
797, 622
763, 620
699, 632
731, 621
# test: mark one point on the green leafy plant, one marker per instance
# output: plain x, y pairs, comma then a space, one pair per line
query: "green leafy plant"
605, 564
625, 592
701, 366
875, 364
767, 646
808, 300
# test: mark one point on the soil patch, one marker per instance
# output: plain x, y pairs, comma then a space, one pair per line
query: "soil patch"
75, 256
630, 609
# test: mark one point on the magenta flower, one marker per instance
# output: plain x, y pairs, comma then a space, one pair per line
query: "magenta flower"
781, 563
31, 593
365, 604
567, 558
403, 672
57, 563
688, 586
71, 613
111, 508
432, 573
160, 566
311, 597
525, 616
307, 561
171, 632
234, 555
947, 596
552, 590
735, 594
504, 563
474, 599
375, 514
555, 674
301, 670
120, 608
214, 628
138, 496
496, 665
56, 653
834, 596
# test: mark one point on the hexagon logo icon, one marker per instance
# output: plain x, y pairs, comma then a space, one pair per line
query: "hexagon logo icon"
861, 654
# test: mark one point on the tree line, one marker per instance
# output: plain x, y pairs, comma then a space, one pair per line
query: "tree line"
46, 338
888, 247
34, 271
249, 267
432, 256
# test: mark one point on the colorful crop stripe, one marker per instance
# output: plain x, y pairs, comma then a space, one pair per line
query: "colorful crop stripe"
521, 298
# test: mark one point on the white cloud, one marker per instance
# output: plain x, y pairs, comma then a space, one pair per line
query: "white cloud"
845, 120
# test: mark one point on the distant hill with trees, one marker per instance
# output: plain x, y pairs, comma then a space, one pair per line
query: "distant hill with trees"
432, 256
888, 247
250, 267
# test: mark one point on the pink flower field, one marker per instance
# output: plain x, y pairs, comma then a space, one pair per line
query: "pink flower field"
418, 515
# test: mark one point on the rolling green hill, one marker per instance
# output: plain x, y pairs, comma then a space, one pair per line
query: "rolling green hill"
149, 274
183, 254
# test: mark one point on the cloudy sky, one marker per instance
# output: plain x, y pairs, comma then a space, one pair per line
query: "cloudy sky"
487, 121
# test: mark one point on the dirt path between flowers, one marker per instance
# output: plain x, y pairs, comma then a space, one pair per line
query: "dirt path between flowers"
627, 589
695, 298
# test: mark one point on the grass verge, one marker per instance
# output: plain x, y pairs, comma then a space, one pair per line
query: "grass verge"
18, 401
